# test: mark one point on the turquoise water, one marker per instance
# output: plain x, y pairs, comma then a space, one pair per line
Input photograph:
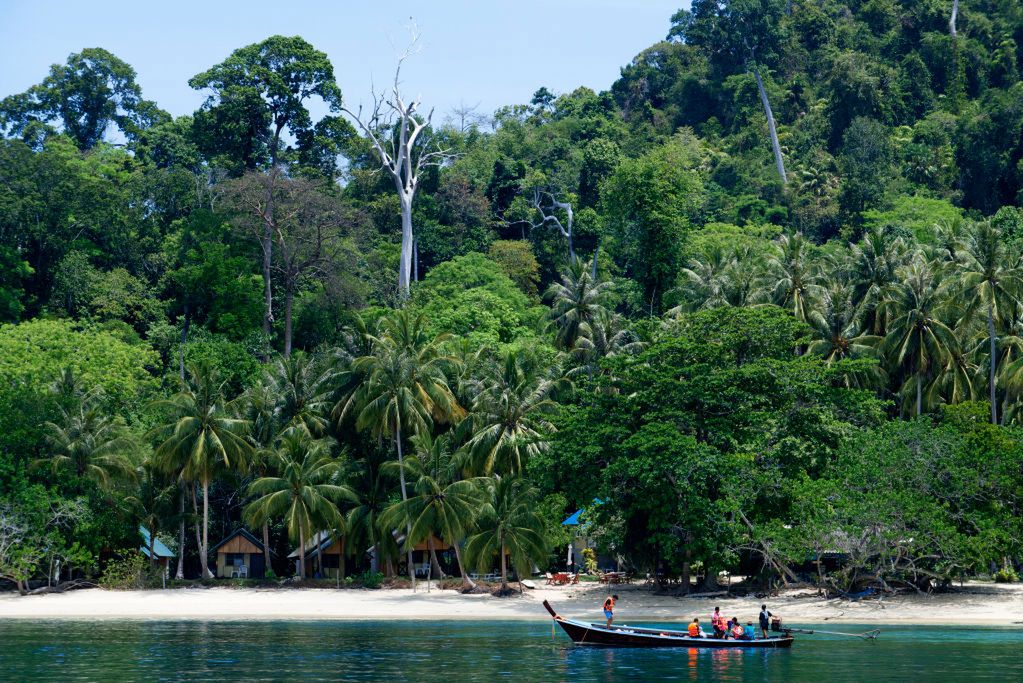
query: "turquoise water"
474, 651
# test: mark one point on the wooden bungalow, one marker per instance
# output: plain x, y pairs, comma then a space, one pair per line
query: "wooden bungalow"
324, 557
421, 556
240, 556
161, 556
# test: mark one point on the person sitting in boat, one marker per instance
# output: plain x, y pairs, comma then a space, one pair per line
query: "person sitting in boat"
737, 629
717, 622
695, 630
749, 633
765, 619
609, 609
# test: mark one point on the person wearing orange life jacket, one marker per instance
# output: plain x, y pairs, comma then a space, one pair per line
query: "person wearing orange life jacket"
737, 629
609, 609
695, 630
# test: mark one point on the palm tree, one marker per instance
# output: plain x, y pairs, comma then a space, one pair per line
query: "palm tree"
374, 496
508, 527
705, 281
743, 275
917, 339
91, 443
836, 327
991, 283
575, 300
404, 389
604, 337
152, 502
791, 280
509, 419
259, 408
301, 393
874, 274
305, 494
200, 438
443, 504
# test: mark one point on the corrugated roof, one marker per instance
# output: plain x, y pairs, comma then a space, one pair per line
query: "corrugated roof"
573, 519
159, 549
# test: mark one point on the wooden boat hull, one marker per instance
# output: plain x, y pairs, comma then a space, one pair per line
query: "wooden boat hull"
583, 633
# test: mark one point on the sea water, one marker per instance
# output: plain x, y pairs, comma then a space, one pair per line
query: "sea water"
455, 651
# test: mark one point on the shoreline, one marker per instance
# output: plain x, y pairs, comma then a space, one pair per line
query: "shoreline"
977, 604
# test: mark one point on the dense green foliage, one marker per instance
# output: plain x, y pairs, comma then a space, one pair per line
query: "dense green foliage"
790, 340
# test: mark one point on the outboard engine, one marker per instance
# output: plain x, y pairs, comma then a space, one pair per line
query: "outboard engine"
776, 624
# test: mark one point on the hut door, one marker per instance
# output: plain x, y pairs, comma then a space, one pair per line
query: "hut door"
257, 569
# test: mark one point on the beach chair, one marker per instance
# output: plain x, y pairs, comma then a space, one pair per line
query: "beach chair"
549, 577
243, 571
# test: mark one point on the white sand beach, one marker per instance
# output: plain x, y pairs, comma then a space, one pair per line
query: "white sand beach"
977, 604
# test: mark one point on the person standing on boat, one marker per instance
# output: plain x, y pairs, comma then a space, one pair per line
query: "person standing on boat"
765, 620
609, 609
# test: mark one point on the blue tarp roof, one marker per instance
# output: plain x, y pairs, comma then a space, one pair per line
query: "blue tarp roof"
159, 549
573, 519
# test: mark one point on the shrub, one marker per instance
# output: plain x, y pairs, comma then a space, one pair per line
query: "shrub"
1006, 575
130, 572
368, 579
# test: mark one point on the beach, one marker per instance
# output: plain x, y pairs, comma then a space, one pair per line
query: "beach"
976, 603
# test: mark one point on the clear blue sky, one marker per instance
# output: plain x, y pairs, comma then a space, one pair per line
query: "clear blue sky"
493, 52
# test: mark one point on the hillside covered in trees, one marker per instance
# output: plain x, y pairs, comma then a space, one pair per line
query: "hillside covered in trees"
763, 297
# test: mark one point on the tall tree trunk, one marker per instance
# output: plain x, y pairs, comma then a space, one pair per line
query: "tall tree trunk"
266, 548
919, 394
435, 568
504, 568
180, 573
686, 574
266, 241
377, 564
778, 161
204, 555
152, 543
952, 19
405, 265
404, 497
301, 552
198, 531
467, 583
184, 340
993, 362
289, 301
415, 259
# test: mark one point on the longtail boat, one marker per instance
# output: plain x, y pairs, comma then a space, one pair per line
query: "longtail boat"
583, 633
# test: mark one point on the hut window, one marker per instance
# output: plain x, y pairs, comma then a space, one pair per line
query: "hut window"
236, 559
330, 561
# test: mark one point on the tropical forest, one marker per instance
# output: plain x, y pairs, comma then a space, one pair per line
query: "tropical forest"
756, 309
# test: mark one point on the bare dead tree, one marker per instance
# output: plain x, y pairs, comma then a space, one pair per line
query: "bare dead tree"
547, 204
402, 143
467, 116
953, 18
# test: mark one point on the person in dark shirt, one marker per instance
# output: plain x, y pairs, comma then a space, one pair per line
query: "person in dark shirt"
765, 620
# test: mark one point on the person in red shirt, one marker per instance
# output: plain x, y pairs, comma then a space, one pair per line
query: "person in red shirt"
717, 622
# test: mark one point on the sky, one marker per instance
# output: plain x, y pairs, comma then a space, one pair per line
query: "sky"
488, 53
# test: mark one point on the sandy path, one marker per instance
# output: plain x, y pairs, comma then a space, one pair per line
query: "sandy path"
981, 604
